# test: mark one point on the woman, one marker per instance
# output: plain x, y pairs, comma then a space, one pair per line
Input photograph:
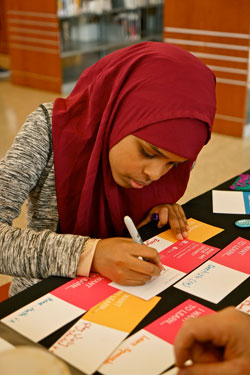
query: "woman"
122, 143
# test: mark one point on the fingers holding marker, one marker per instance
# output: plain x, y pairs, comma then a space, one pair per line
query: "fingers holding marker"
137, 238
147, 260
118, 259
126, 261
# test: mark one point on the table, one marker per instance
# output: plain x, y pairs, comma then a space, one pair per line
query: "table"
199, 208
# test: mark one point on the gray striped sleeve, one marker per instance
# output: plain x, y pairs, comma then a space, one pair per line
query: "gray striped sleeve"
27, 172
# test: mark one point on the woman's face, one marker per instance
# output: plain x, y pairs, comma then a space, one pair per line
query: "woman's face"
136, 163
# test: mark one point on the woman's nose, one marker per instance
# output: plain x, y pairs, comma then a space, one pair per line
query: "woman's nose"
155, 170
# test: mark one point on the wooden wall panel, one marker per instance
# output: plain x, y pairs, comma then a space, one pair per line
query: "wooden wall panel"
3, 28
218, 33
46, 6
34, 44
223, 15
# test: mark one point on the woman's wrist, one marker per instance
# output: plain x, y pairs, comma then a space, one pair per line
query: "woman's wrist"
86, 257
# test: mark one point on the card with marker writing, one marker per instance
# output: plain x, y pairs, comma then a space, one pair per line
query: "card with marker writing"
150, 350
91, 340
216, 278
177, 259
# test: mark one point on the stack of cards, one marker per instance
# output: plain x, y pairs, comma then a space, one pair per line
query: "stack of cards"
150, 350
216, 278
88, 343
177, 259
45, 315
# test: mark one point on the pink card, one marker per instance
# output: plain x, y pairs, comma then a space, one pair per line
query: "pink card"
168, 325
85, 292
236, 255
186, 255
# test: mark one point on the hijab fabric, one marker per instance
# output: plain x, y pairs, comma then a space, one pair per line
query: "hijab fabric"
155, 91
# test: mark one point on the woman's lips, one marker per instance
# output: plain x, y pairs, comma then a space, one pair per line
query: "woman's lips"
137, 184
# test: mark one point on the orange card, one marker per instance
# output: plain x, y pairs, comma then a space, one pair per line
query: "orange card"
199, 231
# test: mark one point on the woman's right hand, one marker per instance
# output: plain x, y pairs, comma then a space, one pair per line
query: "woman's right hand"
118, 259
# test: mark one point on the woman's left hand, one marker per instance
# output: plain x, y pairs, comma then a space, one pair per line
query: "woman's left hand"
172, 214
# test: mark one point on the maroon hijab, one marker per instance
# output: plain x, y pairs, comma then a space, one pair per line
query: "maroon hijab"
155, 91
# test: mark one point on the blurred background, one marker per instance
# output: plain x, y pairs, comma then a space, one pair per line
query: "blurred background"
46, 44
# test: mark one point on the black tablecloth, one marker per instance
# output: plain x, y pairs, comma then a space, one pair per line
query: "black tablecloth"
199, 208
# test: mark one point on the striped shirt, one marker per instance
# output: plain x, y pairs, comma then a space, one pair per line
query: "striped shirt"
27, 174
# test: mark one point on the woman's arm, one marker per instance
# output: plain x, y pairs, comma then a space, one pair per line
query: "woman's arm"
27, 252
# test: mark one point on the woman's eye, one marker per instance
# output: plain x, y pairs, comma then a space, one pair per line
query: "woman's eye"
173, 164
145, 153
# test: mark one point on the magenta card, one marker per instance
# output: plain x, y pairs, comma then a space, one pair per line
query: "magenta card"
85, 292
168, 325
186, 255
236, 255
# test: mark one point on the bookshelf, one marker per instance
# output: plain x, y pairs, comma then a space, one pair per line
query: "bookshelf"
52, 42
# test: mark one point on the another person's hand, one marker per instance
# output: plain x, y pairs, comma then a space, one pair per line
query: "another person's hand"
117, 259
217, 344
172, 214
